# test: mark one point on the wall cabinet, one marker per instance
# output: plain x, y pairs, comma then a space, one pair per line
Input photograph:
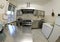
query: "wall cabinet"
41, 13
18, 13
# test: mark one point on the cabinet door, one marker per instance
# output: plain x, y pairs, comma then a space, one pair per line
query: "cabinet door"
35, 12
35, 24
41, 13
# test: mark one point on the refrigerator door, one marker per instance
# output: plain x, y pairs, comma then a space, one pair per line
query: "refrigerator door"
57, 21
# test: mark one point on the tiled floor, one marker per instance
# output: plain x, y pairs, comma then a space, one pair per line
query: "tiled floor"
38, 36
25, 34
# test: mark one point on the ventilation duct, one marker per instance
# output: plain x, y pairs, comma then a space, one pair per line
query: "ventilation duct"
28, 4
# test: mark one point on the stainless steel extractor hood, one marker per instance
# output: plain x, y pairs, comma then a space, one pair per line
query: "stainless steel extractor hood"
26, 11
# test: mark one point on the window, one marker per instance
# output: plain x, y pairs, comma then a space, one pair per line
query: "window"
11, 13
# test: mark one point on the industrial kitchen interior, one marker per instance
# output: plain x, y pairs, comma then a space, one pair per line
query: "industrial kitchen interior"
29, 21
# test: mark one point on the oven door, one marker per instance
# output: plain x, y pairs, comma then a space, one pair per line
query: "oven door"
27, 23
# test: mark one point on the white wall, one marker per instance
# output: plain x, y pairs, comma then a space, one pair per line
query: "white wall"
56, 6
34, 6
48, 8
5, 4
53, 4
3, 11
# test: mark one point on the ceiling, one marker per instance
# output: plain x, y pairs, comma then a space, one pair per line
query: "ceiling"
40, 2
